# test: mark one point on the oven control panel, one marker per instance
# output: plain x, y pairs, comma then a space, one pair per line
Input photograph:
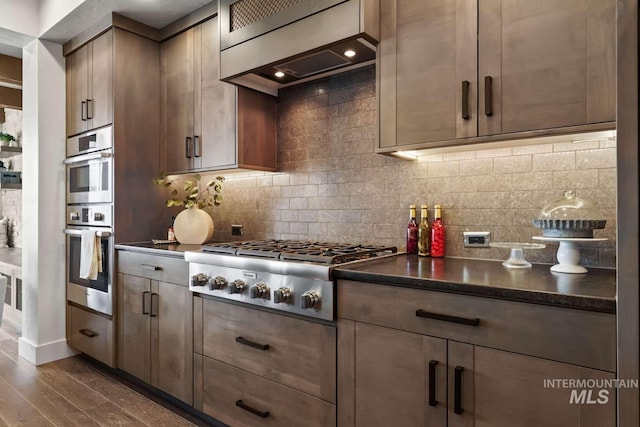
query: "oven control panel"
293, 294
92, 215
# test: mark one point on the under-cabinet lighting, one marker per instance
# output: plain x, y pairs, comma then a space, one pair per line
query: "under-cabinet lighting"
349, 53
279, 74
405, 155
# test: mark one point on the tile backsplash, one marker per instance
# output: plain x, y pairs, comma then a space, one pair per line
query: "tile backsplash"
332, 186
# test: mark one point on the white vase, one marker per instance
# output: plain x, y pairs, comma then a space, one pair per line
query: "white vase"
193, 226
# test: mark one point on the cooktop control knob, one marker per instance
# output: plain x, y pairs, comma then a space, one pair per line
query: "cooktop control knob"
199, 279
217, 282
74, 216
259, 290
282, 295
98, 216
310, 299
236, 287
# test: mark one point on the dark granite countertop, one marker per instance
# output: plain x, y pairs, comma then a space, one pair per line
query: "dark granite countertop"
173, 250
593, 291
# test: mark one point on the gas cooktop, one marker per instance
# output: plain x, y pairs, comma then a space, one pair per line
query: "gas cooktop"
295, 250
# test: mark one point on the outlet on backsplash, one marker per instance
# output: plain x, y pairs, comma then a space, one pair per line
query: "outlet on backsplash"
236, 230
476, 239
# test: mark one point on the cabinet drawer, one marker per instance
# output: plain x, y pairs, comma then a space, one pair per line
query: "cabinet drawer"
227, 390
154, 267
300, 354
573, 336
90, 333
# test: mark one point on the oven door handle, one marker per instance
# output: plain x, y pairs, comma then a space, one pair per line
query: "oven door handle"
71, 232
87, 157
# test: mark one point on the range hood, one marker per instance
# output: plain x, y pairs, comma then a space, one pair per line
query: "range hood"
267, 45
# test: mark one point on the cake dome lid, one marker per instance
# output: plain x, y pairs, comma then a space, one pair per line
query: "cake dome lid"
571, 207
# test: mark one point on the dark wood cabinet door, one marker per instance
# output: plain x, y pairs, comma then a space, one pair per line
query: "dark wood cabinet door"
552, 63
173, 341
215, 102
509, 390
100, 88
427, 49
76, 90
135, 328
392, 375
177, 102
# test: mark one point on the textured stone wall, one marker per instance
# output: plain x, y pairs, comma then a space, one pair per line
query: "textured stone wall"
333, 187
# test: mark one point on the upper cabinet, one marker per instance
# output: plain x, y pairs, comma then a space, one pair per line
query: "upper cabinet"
90, 85
208, 124
454, 71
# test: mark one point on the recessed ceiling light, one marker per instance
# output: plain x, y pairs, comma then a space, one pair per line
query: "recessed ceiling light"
279, 74
349, 53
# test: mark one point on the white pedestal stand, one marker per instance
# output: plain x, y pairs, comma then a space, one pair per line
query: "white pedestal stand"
516, 257
568, 253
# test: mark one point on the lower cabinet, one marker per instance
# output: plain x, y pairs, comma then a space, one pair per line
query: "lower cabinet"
155, 329
389, 376
257, 368
91, 333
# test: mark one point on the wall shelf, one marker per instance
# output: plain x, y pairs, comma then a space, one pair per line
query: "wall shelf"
6, 151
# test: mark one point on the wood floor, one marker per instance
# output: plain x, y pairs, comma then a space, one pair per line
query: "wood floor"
69, 392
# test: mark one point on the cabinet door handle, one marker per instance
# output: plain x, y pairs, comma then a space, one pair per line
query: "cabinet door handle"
144, 302
253, 344
465, 99
83, 107
447, 318
196, 146
88, 333
154, 307
89, 115
151, 267
457, 390
432, 383
261, 414
187, 146
488, 96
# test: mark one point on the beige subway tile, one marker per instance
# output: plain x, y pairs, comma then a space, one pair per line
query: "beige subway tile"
461, 155
299, 227
489, 183
514, 200
265, 181
608, 143
318, 228
532, 149
300, 202
596, 159
350, 215
512, 164
476, 167
607, 178
365, 118
576, 146
299, 178
289, 215
602, 199
338, 202
607, 257
554, 161
494, 152
587, 178
328, 215
477, 200
443, 169
533, 180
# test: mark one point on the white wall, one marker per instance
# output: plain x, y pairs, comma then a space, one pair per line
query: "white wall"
20, 16
43, 251
50, 12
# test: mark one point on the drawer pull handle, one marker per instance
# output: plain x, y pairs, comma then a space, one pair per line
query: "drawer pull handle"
465, 100
245, 341
151, 267
432, 383
154, 307
88, 333
488, 96
457, 392
261, 414
447, 318
144, 302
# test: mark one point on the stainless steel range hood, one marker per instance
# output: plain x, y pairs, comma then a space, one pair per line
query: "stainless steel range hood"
266, 45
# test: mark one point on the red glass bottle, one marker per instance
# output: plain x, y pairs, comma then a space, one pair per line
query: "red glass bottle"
412, 231
437, 233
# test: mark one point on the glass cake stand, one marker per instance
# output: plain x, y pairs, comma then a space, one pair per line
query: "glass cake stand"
516, 257
568, 252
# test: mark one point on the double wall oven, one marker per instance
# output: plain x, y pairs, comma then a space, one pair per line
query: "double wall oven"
89, 178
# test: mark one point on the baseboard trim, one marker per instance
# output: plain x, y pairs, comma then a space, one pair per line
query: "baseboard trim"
44, 353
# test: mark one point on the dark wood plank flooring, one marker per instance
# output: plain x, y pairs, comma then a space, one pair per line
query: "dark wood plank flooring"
70, 392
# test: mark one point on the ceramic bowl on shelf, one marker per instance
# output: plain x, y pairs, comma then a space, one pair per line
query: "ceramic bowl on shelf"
570, 217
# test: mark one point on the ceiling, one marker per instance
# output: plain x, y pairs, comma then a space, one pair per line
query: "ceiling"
155, 13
